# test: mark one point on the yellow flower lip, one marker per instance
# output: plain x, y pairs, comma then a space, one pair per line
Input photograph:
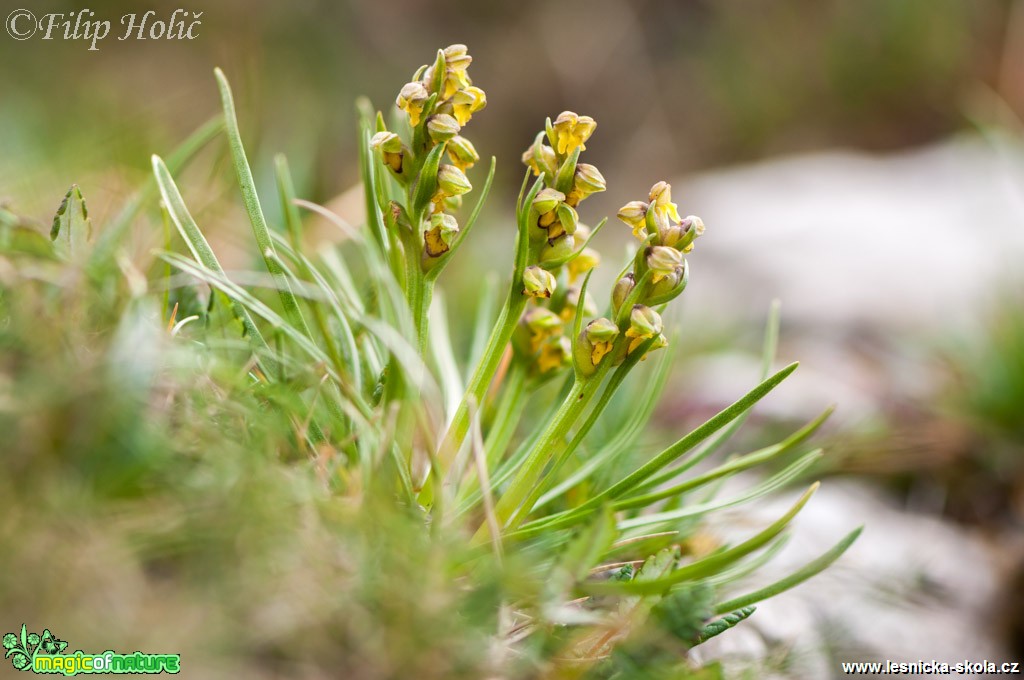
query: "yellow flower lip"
411, 99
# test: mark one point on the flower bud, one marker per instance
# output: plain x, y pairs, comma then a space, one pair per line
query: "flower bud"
587, 180
547, 200
411, 99
634, 214
438, 239
583, 263
441, 127
623, 287
462, 152
663, 261
538, 282
570, 131
452, 182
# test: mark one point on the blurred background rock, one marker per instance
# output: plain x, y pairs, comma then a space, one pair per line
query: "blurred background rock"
859, 159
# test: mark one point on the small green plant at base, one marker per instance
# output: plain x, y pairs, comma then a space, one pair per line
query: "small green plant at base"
558, 551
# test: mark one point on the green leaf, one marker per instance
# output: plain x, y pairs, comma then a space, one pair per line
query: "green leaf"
71, 224
713, 563
796, 578
725, 623
252, 206
426, 183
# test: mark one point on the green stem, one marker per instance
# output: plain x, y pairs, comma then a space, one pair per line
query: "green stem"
527, 476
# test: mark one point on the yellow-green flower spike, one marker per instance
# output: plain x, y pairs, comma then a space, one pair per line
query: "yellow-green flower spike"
634, 214
441, 127
411, 99
538, 282
571, 131
462, 153
663, 261
438, 239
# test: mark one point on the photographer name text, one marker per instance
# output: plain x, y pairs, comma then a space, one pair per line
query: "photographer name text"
83, 26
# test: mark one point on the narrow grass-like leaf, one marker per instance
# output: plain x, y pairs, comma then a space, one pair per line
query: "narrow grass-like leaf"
711, 564
796, 578
252, 206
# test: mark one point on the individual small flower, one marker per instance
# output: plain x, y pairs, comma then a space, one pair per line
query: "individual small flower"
10, 641
538, 282
634, 214
572, 301
390, 147
571, 131
644, 323
663, 261
411, 99
623, 287
670, 286
586, 181
33, 639
441, 127
662, 213
554, 354
20, 661
542, 324
541, 158
583, 263
452, 182
594, 342
456, 62
438, 239
601, 333
462, 153
466, 102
